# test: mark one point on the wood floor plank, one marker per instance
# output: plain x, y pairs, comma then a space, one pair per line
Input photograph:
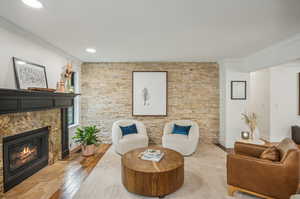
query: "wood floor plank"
60, 180
77, 172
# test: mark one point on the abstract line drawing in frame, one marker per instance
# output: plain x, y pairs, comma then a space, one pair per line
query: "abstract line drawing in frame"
28, 74
150, 93
238, 90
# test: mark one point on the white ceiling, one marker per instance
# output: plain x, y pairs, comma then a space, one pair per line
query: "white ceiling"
158, 30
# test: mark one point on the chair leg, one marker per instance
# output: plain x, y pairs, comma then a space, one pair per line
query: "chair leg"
231, 190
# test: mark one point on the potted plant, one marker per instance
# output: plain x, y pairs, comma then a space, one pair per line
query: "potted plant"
87, 137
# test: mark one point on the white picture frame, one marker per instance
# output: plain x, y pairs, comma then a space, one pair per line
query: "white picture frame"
149, 93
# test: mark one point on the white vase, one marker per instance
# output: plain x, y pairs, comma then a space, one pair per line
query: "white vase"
256, 133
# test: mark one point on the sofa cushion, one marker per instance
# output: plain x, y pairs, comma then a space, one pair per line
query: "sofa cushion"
284, 146
183, 130
271, 153
126, 130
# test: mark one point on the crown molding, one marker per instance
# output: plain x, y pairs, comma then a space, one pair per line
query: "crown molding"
140, 59
10, 26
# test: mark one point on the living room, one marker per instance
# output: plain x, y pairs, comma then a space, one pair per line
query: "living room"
147, 99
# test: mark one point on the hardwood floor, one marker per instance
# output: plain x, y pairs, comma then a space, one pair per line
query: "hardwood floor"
60, 180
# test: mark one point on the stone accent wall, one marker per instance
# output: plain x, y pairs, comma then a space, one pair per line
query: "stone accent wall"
193, 94
12, 124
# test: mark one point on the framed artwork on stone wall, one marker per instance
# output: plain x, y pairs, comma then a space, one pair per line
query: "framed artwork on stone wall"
149, 93
238, 90
29, 75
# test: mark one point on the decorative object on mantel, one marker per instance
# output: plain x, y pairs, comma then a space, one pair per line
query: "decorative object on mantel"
149, 93
68, 76
251, 121
28, 74
64, 85
238, 90
245, 135
60, 86
87, 137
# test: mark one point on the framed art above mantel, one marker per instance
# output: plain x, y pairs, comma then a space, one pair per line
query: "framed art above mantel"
29, 75
149, 93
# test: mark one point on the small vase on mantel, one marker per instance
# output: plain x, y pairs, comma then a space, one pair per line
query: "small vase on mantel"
68, 86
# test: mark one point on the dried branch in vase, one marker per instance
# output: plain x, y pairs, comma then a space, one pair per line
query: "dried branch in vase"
251, 121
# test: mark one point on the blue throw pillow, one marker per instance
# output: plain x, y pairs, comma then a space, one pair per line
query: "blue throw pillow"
183, 130
126, 130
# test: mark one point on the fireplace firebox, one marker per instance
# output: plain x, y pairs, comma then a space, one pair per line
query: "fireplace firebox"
23, 155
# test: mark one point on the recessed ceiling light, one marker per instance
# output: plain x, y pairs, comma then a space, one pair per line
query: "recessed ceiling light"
90, 50
33, 3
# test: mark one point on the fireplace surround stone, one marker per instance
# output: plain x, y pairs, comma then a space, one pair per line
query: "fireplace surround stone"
16, 123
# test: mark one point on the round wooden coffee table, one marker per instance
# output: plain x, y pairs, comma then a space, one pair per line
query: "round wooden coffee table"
150, 178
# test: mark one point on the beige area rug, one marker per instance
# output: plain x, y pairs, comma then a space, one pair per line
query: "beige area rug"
205, 178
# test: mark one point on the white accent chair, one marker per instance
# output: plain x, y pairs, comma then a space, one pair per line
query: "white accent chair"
186, 145
123, 144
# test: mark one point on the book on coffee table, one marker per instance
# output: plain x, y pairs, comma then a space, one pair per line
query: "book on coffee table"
151, 155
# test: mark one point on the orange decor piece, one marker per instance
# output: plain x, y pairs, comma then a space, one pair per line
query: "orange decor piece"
60, 86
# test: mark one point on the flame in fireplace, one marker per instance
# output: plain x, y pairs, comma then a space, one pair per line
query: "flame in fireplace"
26, 152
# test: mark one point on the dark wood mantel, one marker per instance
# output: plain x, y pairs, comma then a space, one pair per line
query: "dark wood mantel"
17, 101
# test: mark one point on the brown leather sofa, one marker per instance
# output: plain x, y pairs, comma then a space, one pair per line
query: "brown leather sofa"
248, 173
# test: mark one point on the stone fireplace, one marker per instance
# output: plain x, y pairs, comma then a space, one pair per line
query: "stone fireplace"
33, 133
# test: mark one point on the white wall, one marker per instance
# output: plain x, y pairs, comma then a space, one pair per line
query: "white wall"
275, 98
260, 100
284, 101
15, 44
231, 123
